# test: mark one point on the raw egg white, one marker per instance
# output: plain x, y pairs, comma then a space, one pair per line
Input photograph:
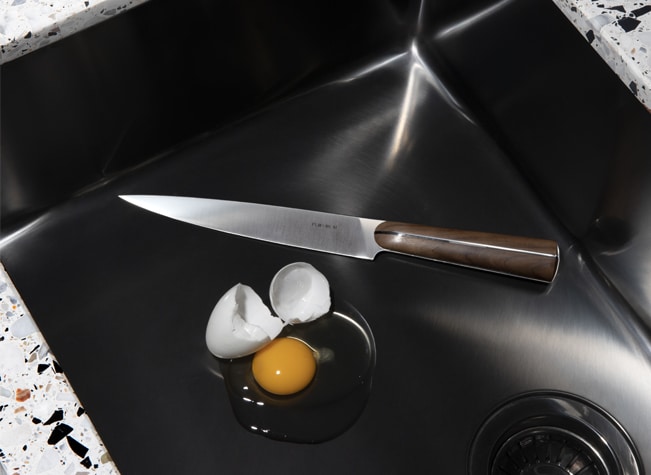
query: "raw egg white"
343, 346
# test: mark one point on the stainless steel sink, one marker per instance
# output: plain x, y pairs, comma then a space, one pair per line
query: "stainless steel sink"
485, 115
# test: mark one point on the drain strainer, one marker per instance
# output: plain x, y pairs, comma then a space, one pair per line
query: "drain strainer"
552, 434
547, 451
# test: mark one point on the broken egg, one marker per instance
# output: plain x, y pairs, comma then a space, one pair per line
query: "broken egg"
240, 324
300, 374
344, 351
299, 293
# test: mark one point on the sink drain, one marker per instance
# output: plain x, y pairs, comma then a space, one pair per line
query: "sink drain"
552, 434
547, 451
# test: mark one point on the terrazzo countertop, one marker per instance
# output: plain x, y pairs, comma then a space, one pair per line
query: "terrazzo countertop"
27, 25
620, 31
43, 427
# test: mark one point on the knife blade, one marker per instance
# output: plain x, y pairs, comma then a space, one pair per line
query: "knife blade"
362, 238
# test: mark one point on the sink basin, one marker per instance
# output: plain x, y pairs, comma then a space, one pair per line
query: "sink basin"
485, 115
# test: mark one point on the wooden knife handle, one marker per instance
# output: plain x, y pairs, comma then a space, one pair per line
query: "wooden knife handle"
530, 258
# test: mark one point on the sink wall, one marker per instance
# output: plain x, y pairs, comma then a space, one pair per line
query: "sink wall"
575, 132
131, 88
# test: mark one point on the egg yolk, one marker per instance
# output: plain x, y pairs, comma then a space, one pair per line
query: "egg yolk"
284, 366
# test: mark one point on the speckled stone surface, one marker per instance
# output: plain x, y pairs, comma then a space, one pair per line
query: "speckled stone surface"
43, 427
27, 25
620, 31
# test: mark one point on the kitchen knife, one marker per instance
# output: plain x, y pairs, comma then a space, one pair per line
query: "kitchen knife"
529, 258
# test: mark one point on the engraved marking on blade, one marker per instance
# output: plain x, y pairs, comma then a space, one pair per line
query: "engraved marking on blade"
323, 225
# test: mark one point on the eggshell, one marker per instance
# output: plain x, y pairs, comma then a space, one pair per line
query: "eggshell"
240, 324
299, 293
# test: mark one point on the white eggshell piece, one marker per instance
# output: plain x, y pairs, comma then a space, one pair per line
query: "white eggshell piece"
299, 293
240, 324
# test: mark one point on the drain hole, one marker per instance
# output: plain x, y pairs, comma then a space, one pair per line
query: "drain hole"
552, 434
547, 451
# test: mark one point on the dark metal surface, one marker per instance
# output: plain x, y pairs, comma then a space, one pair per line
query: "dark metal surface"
123, 296
130, 88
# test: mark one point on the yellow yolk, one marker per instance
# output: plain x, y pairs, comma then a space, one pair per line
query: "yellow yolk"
284, 366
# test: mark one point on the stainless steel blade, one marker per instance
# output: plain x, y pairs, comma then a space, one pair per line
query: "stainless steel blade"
314, 230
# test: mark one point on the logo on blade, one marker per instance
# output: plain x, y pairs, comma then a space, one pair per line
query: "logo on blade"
323, 225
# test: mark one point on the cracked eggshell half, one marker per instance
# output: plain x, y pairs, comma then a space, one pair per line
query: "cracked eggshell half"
299, 293
240, 324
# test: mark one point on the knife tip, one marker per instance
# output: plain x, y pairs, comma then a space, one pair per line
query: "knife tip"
132, 199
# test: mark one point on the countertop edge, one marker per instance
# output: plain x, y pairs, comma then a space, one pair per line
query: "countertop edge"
44, 429
621, 34
28, 25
